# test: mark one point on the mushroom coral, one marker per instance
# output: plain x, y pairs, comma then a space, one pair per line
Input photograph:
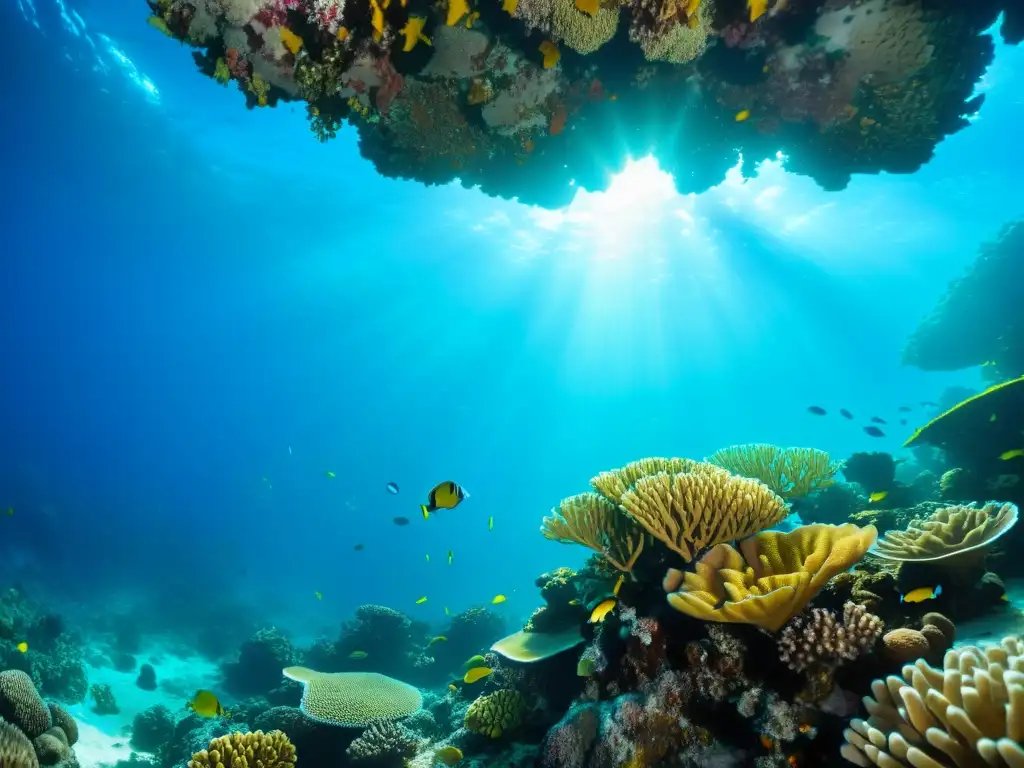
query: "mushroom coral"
968, 713
774, 578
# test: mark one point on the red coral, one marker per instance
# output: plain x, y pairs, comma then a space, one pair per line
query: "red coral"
237, 65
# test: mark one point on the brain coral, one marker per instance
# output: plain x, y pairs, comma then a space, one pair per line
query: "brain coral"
353, 699
63, 720
495, 713
15, 749
21, 704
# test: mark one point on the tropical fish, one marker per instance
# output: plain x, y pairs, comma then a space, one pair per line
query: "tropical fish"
428, 557
22, 647
318, 596
446, 495
448, 755
450, 557
476, 673
205, 704
921, 594
453, 688
574, 601
602, 610
490, 523
358, 655
767, 741
757, 9
343, 33
498, 599
904, 409
401, 521
586, 666
474, 661
1013, 454
377, 20
817, 410
808, 729
359, 547
618, 584
509, 6
422, 600
471, 19
845, 413
392, 488
446, 613
330, 475
550, 53
877, 496
456, 10
742, 115
877, 420
413, 33
438, 639
589, 7
874, 431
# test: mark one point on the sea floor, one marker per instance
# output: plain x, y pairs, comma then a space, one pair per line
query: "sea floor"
103, 739
993, 628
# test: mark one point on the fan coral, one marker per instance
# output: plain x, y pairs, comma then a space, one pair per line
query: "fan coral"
819, 640
774, 578
790, 472
15, 748
242, 750
383, 743
949, 532
969, 712
496, 713
693, 510
353, 699
21, 704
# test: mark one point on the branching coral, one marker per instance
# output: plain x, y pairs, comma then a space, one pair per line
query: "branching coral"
496, 713
968, 713
773, 579
353, 699
614, 483
818, 639
383, 744
671, 30
948, 532
594, 522
246, 750
792, 473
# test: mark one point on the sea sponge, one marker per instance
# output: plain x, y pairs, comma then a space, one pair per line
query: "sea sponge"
595, 522
948, 532
21, 704
383, 743
581, 31
353, 699
689, 511
774, 578
968, 713
246, 750
792, 473
62, 719
536, 646
15, 749
494, 714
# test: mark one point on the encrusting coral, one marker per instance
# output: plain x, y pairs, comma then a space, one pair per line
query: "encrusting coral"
495, 713
246, 750
792, 473
818, 639
968, 713
948, 532
773, 579
353, 699
383, 743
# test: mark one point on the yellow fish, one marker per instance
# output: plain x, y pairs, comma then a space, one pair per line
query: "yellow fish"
446, 495
474, 661
1005, 598
509, 6
1007, 455
452, 688
413, 33
471, 18
22, 647
476, 673
449, 557
877, 496
422, 600
205, 704
329, 474
292, 42
428, 558
589, 7
742, 115
456, 10
448, 755
757, 8
574, 601
921, 594
358, 655
318, 595
602, 610
490, 523
550, 53
498, 600
446, 612
343, 34
438, 639
618, 584
377, 20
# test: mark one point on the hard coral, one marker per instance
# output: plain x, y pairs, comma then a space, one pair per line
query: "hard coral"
21, 704
950, 532
383, 744
496, 713
789, 472
15, 749
260, 660
236, 750
353, 699
819, 640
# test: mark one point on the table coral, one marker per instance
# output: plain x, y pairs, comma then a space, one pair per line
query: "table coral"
353, 699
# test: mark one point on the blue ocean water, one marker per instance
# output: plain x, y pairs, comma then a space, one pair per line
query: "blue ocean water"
206, 312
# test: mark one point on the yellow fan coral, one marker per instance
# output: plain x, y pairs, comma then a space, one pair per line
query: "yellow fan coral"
774, 578
790, 472
969, 713
353, 699
593, 521
246, 750
494, 714
948, 532
689, 511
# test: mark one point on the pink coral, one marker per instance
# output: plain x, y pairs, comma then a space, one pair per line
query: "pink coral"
391, 84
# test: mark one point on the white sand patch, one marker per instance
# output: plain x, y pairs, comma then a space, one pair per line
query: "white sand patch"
993, 628
96, 749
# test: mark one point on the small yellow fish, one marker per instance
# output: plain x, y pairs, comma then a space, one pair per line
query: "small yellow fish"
490, 523
742, 115
413, 33
428, 558
318, 595
422, 600
329, 474
448, 755
1013, 454
472, 18
377, 20
476, 673
22, 647
757, 8
452, 687
446, 611
498, 600
474, 661
574, 601
456, 10
550, 53
602, 610
1005, 598
205, 704
343, 33
449, 557
446, 495
509, 6
438, 639
921, 594
358, 655
618, 584
877, 496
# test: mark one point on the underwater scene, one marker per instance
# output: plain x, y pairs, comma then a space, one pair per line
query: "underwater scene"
512, 384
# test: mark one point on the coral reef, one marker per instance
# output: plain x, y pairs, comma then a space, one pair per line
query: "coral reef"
383, 744
791, 473
236, 750
152, 728
257, 670
353, 699
32, 732
146, 679
103, 702
495, 714
819, 639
